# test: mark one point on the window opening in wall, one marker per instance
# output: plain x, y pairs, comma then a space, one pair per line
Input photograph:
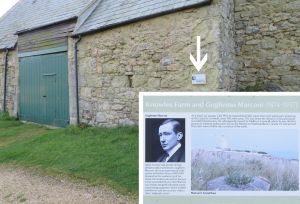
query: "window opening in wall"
130, 75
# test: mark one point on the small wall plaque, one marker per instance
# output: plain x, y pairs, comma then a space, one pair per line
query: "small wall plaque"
198, 79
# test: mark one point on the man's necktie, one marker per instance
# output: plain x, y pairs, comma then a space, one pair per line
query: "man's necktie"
165, 157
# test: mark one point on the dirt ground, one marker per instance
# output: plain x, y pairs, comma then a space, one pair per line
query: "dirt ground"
18, 185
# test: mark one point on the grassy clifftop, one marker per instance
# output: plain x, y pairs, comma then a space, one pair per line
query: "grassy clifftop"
283, 174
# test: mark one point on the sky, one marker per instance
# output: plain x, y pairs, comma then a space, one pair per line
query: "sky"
5, 5
281, 143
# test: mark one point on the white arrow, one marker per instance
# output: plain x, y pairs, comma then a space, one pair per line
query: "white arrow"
198, 63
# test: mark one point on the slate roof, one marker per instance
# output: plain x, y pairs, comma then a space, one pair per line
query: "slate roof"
109, 13
29, 14
91, 15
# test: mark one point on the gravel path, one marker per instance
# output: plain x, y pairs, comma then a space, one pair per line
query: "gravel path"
19, 185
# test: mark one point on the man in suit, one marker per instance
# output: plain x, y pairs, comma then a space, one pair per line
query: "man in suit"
170, 134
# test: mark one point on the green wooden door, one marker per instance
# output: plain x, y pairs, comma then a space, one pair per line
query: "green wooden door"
44, 92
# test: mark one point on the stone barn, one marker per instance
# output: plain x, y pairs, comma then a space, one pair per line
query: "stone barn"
85, 61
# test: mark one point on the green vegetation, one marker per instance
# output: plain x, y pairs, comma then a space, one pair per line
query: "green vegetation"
258, 86
238, 179
98, 155
21, 198
12, 130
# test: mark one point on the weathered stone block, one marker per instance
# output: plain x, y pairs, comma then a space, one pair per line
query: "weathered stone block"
272, 87
86, 92
89, 64
290, 80
108, 93
252, 29
139, 80
120, 81
109, 68
117, 107
294, 20
101, 117
272, 28
285, 25
287, 44
252, 70
273, 77
167, 60
106, 81
172, 81
126, 122
239, 25
292, 6
154, 82
93, 80
287, 59
105, 106
253, 42
156, 57
268, 43
85, 105
128, 94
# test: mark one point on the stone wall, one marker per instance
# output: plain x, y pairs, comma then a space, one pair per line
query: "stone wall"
2, 61
72, 82
151, 55
226, 51
251, 45
12, 80
268, 44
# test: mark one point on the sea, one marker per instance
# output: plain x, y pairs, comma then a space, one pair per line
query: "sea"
285, 155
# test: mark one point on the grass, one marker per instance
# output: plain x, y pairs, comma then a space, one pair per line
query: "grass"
21, 198
238, 179
240, 167
106, 156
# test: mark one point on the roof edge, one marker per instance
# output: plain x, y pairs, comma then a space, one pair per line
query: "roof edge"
12, 46
8, 48
86, 13
203, 3
74, 18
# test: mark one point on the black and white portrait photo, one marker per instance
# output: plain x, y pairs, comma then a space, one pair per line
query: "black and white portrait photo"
165, 139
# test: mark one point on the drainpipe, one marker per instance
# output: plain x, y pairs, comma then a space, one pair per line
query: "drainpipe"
76, 73
5, 79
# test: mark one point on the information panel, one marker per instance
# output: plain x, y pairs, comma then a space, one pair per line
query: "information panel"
219, 148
